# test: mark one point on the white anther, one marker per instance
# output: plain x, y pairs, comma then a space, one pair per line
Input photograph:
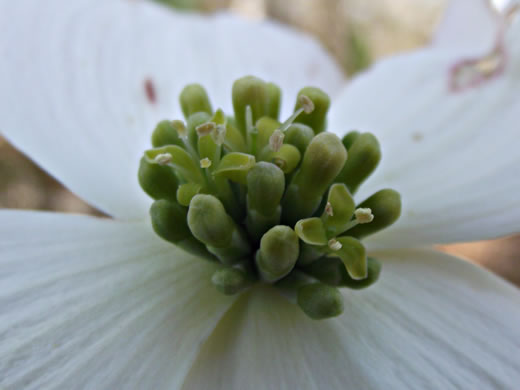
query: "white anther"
163, 158
364, 215
329, 210
306, 103
219, 135
206, 128
276, 140
205, 163
334, 244
180, 127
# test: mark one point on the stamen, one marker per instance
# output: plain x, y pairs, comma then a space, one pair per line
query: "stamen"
276, 140
219, 135
306, 103
329, 210
206, 128
334, 244
364, 215
205, 163
163, 158
361, 216
180, 127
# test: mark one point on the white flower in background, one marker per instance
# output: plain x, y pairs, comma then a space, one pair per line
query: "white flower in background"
105, 304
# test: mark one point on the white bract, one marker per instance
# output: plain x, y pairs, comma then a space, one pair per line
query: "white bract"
105, 304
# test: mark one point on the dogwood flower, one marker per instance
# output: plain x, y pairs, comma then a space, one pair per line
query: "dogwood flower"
104, 303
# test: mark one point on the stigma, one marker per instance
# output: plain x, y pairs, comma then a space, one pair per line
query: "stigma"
268, 201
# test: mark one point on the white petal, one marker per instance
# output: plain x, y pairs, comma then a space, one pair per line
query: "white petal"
431, 322
73, 82
452, 155
98, 304
469, 26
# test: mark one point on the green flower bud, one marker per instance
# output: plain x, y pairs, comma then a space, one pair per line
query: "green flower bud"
349, 138
338, 210
235, 167
274, 96
311, 231
210, 224
186, 192
169, 223
230, 281
194, 99
265, 187
278, 253
300, 136
317, 119
286, 158
165, 134
386, 208
158, 181
321, 163
234, 140
363, 157
320, 301
265, 127
253, 92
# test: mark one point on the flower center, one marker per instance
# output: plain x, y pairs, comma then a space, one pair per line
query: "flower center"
269, 202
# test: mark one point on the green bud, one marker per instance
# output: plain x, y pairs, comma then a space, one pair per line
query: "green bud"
230, 281
165, 134
317, 119
321, 163
160, 182
338, 210
386, 208
178, 159
194, 99
311, 231
265, 187
235, 167
353, 255
274, 96
169, 223
299, 135
363, 157
287, 158
278, 253
253, 92
186, 192
234, 140
210, 224
320, 301
349, 138
265, 127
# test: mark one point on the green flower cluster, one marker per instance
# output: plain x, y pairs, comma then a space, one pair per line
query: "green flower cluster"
270, 202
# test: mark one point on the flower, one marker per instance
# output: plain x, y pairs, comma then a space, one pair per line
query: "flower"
103, 303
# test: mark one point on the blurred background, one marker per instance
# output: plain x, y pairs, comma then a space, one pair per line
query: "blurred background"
356, 33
